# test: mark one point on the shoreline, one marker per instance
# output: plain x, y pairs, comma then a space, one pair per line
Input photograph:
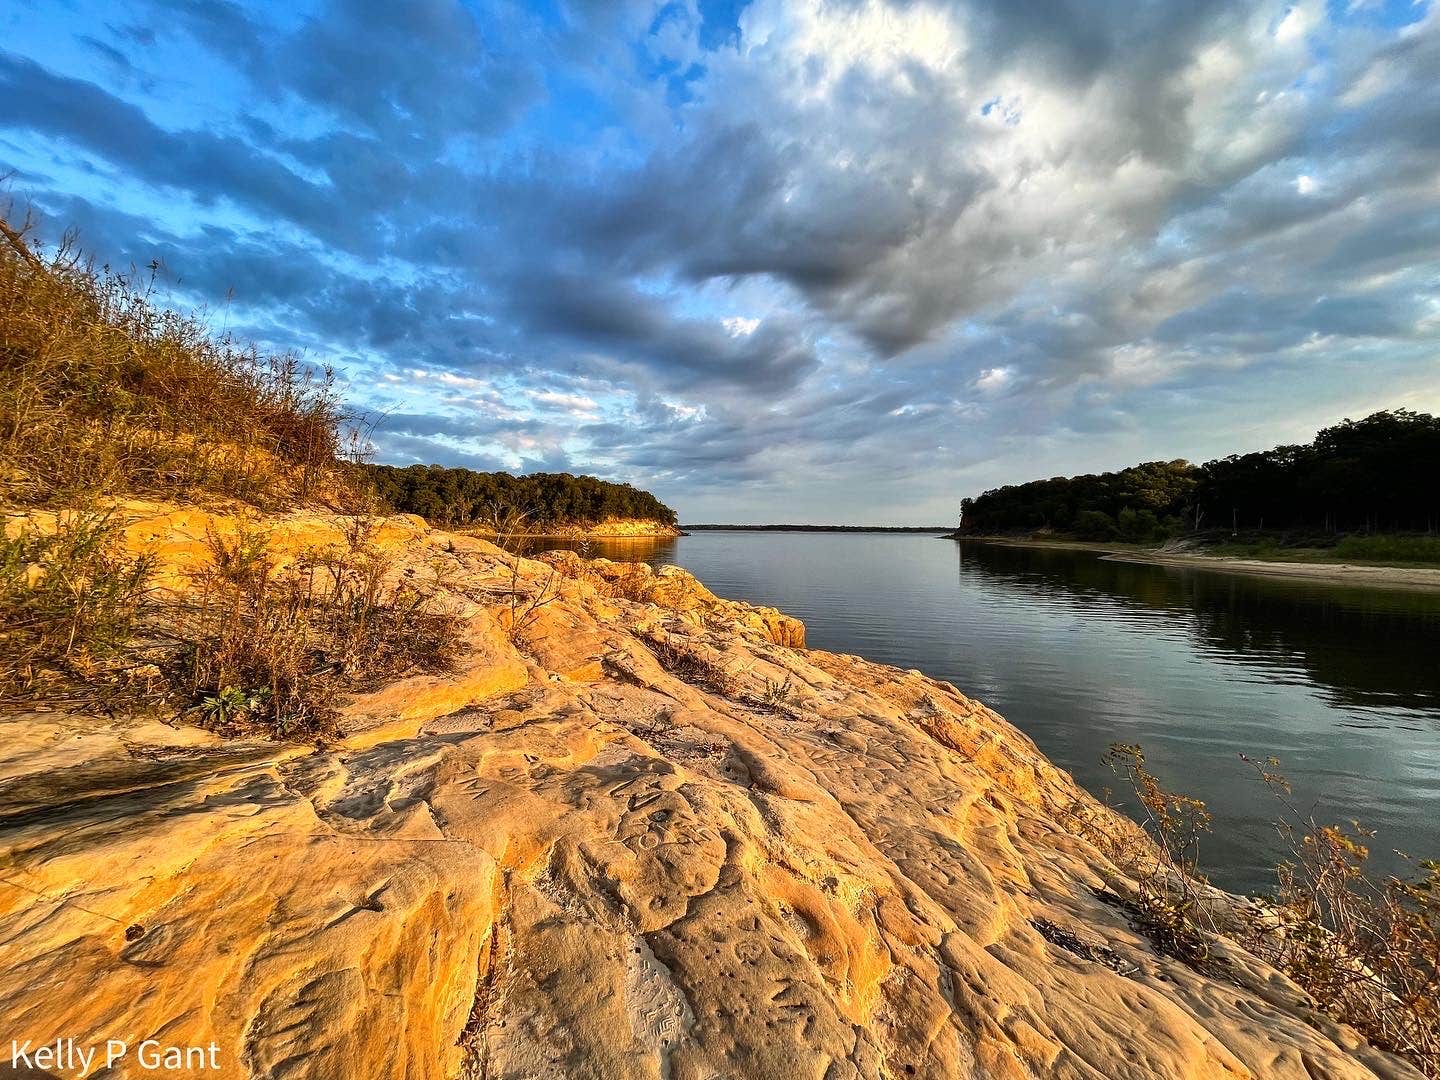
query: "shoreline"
1422, 579
663, 532
937, 529
582, 536
1416, 578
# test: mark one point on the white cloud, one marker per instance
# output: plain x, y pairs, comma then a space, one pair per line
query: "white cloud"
1305, 184
468, 382
1296, 23
740, 327
993, 380
575, 404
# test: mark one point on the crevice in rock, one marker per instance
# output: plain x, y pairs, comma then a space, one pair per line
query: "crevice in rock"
475, 1035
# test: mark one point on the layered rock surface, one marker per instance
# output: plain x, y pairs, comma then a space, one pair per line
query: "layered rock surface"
641, 833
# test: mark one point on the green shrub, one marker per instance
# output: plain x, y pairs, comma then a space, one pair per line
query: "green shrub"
1400, 549
1139, 526
1094, 525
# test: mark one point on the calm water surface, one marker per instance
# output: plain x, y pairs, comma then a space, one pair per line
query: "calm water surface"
1341, 684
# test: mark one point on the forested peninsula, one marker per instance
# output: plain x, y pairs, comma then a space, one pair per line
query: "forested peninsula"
550, 503
1364, 487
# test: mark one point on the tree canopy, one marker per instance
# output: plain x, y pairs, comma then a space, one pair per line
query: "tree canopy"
464, 497
1381, 473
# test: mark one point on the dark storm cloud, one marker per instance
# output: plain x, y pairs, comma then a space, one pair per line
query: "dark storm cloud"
595, 312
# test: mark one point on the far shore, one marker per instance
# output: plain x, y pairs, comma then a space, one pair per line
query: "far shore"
1372, 575
935, 529
580, 536
635, 531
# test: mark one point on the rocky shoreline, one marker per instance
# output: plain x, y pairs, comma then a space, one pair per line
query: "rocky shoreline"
643, 832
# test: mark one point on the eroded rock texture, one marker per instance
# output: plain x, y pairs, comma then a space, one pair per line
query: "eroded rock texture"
645, 833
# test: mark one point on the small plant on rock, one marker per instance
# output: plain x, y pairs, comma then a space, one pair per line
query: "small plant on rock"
778, 692
1171, 909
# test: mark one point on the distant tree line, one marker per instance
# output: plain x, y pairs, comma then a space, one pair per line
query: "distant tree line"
464, 497
1379, 474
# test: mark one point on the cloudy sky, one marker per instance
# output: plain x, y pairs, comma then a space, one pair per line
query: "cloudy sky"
797, 260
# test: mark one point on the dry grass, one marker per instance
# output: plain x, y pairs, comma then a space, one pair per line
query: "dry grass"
102, 390
70, 601
628, 581
1366, 949
1164, 891
275, 652
251, 649
695, 664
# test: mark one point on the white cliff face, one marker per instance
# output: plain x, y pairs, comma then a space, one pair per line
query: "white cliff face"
645, 834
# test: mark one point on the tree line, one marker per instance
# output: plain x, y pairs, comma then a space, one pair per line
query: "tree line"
465, 497
1378, 474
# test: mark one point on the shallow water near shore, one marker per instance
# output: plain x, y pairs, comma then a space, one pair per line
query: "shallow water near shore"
1341, 684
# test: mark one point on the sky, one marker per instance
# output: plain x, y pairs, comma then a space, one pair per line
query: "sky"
840, 261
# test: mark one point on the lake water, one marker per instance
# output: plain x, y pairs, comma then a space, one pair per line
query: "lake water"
1341, 684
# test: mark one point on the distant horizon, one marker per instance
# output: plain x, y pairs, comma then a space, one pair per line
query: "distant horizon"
813, 527
781, 259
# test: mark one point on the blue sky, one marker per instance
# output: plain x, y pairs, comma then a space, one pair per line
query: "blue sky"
802, 260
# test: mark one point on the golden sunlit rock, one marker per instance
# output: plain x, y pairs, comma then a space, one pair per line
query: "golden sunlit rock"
640, 832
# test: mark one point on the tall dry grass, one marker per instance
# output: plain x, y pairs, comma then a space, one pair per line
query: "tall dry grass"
260, 649
104, 393
1364, 946
102, 390
70, 601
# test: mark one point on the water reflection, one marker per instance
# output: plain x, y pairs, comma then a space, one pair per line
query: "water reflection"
655, 550
1368, 648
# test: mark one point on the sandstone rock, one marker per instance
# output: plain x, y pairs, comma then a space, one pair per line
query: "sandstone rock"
606, 849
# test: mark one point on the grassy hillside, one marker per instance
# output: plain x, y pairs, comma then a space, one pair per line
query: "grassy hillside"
104, 391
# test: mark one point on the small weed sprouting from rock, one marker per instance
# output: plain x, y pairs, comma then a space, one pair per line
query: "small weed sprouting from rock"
232, 707
778, 693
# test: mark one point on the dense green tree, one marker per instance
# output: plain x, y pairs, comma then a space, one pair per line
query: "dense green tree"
1152, 492
1381, 473
464, 497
